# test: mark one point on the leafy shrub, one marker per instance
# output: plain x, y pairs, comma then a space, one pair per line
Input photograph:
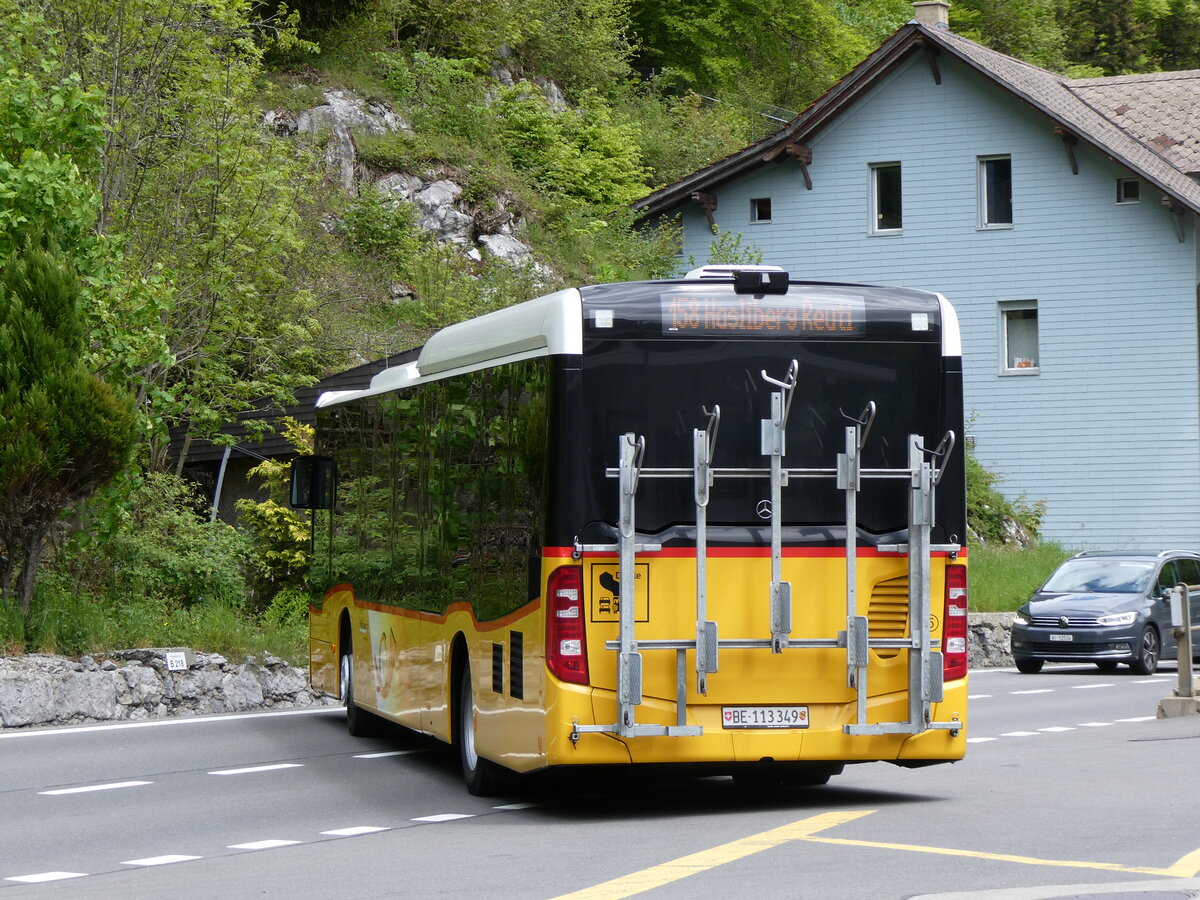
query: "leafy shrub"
990, 515
280, 537
384, 227
578, 155
163, 548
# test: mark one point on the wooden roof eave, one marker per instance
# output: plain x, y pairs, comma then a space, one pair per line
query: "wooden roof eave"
1081, 134
820, 112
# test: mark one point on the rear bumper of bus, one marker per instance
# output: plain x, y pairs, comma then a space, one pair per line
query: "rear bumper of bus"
823, 740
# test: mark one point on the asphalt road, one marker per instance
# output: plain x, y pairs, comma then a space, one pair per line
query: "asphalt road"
1071, 787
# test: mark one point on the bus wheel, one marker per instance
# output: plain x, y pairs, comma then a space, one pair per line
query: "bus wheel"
481, 775
359, 722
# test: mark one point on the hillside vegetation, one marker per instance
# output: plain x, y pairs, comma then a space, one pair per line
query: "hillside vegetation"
202, 261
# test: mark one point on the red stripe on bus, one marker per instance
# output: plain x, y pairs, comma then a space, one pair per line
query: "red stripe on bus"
748, 552
439, 618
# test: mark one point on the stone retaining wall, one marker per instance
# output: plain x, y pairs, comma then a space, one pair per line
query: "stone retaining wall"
138, 684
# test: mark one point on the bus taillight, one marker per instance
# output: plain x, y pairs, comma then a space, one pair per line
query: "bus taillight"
954, 628
566, 642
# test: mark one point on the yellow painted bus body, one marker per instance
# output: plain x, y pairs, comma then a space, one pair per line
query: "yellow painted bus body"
405, 659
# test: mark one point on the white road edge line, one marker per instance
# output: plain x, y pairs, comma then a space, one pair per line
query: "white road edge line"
156, 723
94, 787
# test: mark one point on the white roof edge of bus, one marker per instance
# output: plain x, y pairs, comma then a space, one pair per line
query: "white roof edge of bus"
951, 335
544, 326
553, 322
726, 271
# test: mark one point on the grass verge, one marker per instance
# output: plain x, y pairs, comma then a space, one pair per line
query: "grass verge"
1002, 578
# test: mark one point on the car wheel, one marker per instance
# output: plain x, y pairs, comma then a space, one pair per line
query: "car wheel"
483, 777
1146, 661
1106, 665
1029, 666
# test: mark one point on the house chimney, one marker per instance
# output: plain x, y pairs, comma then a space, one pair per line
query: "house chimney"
933, 13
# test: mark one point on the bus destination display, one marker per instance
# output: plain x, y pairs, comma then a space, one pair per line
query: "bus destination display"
763, 316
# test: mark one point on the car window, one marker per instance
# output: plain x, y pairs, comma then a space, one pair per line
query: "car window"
1168, 576
1189, 571
1118, 576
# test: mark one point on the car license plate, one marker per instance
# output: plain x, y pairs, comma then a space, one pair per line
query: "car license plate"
764, 717
1062, 637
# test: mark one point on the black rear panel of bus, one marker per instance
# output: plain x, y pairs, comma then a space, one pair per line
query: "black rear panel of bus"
658, 357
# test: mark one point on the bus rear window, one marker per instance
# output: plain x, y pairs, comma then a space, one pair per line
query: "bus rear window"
660, 389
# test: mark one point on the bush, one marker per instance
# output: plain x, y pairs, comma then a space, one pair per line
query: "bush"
991, 517
161, 547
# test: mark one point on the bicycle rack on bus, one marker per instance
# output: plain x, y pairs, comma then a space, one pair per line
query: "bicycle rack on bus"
925, 662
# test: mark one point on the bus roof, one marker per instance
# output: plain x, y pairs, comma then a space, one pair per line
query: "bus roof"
547, 326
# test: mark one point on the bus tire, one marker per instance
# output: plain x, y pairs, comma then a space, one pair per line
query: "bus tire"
482, 776
359, 722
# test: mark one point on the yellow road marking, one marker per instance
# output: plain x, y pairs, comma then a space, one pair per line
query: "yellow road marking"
1003, 857
1187, 866
694, 863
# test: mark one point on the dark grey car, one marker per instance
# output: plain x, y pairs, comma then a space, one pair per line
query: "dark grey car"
1105, 608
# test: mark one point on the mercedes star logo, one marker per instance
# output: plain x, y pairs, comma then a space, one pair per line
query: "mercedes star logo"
764, 509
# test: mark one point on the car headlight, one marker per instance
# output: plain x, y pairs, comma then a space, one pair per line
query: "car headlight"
1125, 618
1021, 619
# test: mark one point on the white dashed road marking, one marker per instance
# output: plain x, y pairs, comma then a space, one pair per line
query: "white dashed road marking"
249, 769
443, 817
261, 845
159, 860
46, 876
1057, 728
1084, 687
355, 830
1035, 691
94, 787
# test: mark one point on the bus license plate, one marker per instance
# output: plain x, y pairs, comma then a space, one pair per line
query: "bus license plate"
764, 717
1062, 637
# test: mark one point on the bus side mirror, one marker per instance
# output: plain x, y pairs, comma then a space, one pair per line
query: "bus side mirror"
313, 479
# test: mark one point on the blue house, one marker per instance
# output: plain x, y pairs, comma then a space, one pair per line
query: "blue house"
1059, 217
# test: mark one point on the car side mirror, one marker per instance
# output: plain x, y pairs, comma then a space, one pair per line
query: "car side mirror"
313, 482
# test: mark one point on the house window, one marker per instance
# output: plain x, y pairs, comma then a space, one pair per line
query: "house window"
1129, 190
885, 198
1019, 337
995, 192
760, 209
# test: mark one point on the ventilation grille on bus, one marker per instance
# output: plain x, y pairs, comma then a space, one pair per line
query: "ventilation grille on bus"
516, 663
888, 612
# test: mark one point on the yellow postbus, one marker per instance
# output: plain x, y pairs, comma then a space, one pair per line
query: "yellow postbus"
715, 522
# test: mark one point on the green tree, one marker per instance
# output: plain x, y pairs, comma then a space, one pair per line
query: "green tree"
209, 205
1026, 29
1115, 36
755, 53
63, 430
